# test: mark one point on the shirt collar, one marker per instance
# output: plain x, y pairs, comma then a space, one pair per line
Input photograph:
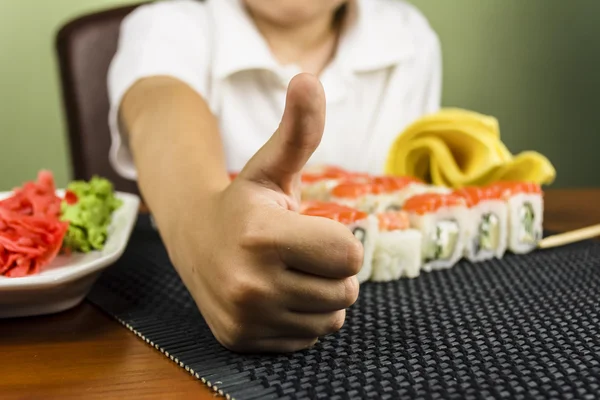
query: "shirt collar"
239, 46
370, 41
374, 39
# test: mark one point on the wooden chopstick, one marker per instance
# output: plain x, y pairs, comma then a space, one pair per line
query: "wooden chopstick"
570, 237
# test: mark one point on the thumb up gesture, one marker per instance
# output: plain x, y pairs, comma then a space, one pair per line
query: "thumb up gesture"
265, 277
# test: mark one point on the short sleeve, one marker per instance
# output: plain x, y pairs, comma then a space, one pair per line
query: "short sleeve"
165, 38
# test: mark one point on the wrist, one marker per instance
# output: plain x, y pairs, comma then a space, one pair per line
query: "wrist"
179, 211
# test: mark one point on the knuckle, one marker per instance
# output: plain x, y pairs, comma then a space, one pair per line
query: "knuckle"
354, 256
254, 236
337, 321
306, 344
351, 290
244, 292
233, 335
289, 346
256, 228
299, 345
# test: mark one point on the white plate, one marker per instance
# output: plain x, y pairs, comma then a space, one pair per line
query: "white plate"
67, 280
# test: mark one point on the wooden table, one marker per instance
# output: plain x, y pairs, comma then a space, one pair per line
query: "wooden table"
82, 353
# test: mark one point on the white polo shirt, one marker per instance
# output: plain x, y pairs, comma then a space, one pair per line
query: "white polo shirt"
386, 73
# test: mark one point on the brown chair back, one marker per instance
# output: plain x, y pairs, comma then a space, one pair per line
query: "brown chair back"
85, 48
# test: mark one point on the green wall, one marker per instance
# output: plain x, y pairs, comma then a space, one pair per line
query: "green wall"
534, 64
32, 131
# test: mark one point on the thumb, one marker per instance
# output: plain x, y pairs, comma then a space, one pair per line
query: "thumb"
299, 134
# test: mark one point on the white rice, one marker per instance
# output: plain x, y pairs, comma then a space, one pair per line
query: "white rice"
397, 254
361, 203
396, 200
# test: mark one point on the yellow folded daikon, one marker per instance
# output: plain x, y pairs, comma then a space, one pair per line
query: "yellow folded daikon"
457, 148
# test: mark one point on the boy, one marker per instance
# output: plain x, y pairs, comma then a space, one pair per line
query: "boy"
197, 89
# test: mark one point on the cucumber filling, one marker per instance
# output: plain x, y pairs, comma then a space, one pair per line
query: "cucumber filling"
488, 238
443, 240
527, 233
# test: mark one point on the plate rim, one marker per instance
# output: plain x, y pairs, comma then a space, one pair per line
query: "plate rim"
40, 281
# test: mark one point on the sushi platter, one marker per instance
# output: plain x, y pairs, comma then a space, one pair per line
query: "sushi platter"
407, 226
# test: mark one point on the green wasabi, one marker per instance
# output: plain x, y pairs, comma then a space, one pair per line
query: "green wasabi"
88, 207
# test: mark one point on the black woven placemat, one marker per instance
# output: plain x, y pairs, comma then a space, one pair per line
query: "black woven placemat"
523, 327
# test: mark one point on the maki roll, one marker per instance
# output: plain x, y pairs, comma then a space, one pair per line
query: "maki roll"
377, 195
364, 228
487, 233
423, 188
362, 225
390, 192
398, 248
525, 214
317, 183
317, 187
443, 220
355, 195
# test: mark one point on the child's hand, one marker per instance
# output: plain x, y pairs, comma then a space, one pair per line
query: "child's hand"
264, 277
